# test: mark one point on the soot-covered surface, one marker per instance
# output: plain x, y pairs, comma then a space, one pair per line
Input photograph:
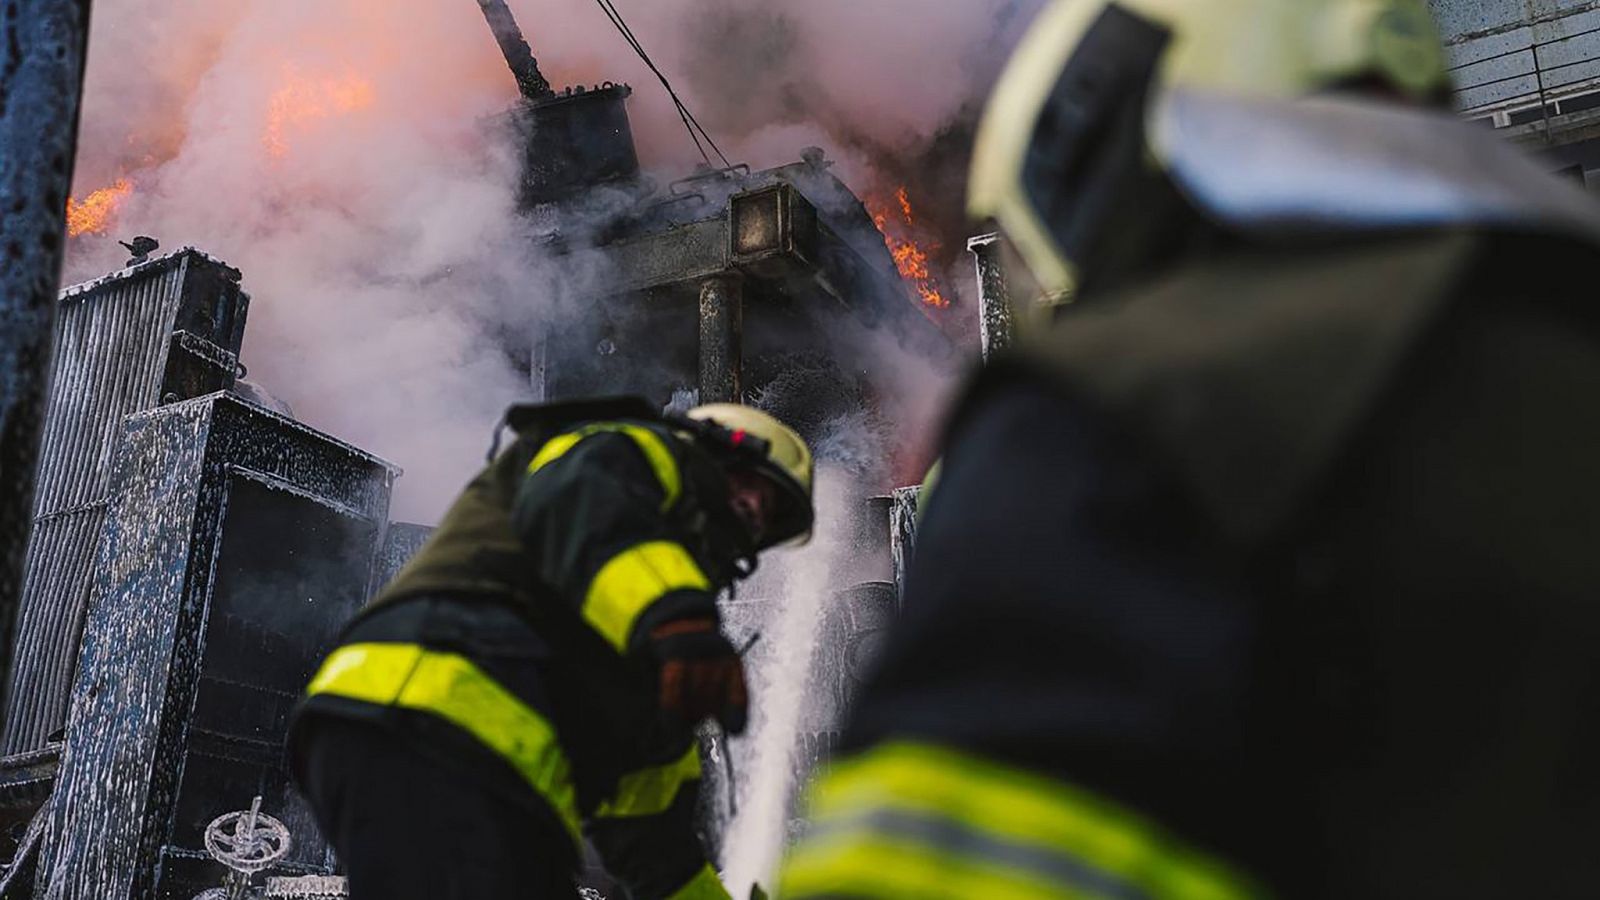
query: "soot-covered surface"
237, 543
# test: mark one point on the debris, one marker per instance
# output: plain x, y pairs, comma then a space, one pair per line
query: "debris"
141, 248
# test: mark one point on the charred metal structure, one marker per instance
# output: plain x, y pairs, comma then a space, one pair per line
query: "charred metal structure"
574, 139
238, 544
725, 279
710, 284
194, 556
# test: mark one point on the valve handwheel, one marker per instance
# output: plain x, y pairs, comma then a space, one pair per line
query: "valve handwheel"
247, 841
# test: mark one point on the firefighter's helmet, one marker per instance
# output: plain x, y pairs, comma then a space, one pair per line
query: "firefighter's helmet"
1076, 118
778, 453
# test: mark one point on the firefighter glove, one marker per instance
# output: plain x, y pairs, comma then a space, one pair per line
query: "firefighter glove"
700, 673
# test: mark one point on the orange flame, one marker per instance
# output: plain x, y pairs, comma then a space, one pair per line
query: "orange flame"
905, 205
93, 215
302, 101
909, 256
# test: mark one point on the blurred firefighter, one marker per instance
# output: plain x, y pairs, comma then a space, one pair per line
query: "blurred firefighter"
533, 676
1269, 566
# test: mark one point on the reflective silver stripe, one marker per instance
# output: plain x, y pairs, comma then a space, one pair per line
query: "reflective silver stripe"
947, 836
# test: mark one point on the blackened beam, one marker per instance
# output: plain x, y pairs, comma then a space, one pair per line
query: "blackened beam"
519, 56
680, 255
41, 84
721, 338
994, 298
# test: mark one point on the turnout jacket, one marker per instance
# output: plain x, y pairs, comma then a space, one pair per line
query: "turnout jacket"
1275, 575
618, 519
518, 630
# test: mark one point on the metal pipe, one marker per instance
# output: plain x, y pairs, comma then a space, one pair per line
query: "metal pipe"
1544, 108
519, 56
903, 534
41, 85
994, 298
721, 338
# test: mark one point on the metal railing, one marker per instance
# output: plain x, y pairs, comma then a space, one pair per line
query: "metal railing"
1548, 83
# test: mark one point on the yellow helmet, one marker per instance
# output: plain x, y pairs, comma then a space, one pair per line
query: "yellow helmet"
782, 456
1072, 129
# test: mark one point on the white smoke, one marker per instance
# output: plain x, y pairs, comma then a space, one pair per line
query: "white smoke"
338, 153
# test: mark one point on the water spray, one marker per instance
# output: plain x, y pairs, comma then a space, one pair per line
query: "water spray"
727, 746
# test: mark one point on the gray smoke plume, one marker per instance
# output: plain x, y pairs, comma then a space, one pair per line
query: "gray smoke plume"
337, 152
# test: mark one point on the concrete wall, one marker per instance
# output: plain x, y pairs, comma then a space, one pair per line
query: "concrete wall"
1489, 40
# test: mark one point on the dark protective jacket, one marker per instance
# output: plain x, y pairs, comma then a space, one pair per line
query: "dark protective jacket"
1275, 575
580, 485
512, 643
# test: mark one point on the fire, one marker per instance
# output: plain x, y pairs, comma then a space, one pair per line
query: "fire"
303, 100
93, 214
910, 257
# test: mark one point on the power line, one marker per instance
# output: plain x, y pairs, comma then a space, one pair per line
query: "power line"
697, 132
683, 111
692, 124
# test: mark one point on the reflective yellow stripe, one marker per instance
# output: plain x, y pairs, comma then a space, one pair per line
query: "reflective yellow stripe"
632, 580
451, 687
874, 867
649, 792
650, 444
703, 886
916, 820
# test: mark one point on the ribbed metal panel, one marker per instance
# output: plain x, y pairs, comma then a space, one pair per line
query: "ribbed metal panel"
60, 558
111, 352
112, 338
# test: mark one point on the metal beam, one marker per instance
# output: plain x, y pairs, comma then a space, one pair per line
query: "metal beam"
531, 82
680, 255
721, 339
994, 299
42, 44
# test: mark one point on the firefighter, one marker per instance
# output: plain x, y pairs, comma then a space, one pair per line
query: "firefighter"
533, 676
1267, 567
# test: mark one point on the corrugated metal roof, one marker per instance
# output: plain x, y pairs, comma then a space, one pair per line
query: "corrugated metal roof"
155, 264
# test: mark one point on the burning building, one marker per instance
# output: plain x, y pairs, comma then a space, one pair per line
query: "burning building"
196, 549
712, 285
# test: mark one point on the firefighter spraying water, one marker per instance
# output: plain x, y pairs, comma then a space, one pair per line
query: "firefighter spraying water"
534, 676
